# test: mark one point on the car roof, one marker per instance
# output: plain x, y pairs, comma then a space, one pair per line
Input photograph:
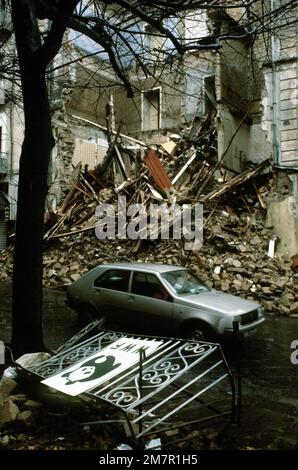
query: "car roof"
152, 267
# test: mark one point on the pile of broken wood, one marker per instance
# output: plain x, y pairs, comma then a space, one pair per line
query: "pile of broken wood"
234, 256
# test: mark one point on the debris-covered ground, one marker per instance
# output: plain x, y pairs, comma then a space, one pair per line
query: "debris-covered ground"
26, 424
268, 411
239, 251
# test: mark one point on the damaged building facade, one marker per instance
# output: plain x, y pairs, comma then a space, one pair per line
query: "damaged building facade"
277, 51
11, 135
248, 87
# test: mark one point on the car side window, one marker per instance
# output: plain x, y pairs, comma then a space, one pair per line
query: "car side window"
115, 279
149, 286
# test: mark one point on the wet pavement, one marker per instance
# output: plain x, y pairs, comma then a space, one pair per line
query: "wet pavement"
269, 384
59, 321
269, 381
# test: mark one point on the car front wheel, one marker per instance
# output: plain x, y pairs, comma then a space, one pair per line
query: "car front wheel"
198, 332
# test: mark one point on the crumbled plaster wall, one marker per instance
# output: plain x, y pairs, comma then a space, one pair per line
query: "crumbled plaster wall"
91, 143
129, 112
239, 88
85, 94
282, 212
182, 98
91, 91
197, 67
60, 170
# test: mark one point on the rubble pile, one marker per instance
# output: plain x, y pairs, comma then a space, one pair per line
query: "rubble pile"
16, 407
238, 252
27, 424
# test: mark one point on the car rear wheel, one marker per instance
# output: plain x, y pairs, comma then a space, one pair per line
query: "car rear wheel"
86, 314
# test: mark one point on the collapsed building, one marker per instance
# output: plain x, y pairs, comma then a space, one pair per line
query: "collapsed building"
247, 89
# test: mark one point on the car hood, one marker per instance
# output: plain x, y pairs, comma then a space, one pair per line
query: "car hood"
219, 301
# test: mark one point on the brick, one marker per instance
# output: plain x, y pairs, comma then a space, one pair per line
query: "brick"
289, 94
289, 145
288, 124
289, 156
289, 104
289, 43
288, 84
288, 114
289, 73
289, 135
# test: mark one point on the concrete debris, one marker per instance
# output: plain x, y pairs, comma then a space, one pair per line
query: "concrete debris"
234, 256
26, 419
294, 308
294, 265
8, 412
16, 409
30, 359
170, 147
7, 386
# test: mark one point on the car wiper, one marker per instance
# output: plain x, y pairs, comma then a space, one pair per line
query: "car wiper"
199, 289
184, 291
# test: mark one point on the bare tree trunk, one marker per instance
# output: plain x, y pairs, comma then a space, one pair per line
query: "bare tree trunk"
27, 277
32, 189
34, 56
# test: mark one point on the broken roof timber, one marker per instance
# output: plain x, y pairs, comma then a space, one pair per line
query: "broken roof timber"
236, 181
104, 129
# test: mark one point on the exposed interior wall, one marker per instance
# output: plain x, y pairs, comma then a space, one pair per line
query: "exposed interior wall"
91, 144
239, 84
76, 143
91, 91
131, 115
227, 125
198, 68
84, 92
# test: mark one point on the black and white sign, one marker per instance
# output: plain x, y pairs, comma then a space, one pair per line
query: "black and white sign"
101, 366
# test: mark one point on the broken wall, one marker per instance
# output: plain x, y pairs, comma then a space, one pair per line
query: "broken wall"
91, 143
82, 91
78, 141
198, 68
277, 50
94, 81
181, 98
60, 168
239, 82
283, 212
131, 114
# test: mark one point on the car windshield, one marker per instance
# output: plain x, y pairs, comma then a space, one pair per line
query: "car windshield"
184, 282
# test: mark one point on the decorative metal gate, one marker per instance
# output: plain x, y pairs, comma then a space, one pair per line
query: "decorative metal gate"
178, 384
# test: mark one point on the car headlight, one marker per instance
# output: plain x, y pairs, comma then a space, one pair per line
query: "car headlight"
261, 311
238, 318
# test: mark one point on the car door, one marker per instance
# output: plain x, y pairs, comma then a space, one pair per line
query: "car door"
110, 291
150, 303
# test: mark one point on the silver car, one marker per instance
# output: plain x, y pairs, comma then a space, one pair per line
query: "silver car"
160, 299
